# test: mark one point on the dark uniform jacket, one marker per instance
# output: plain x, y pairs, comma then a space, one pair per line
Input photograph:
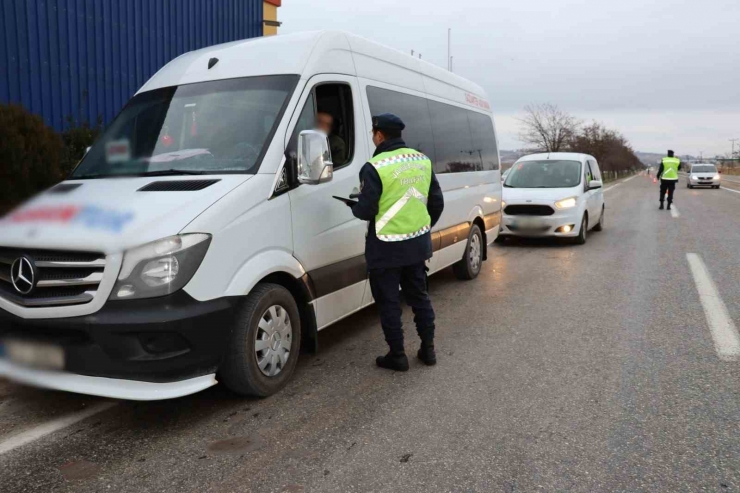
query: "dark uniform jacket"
381, 254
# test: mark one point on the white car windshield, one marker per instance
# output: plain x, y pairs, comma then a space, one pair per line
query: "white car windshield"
544, 174
704, 169
205, 128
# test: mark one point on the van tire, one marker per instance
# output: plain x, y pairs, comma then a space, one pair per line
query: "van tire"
600, 225
240, 371
468, 268
581, 238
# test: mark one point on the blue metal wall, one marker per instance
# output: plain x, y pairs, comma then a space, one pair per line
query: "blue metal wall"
86, 58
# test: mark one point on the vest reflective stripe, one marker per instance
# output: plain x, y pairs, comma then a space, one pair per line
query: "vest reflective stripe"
406, 176
670, 168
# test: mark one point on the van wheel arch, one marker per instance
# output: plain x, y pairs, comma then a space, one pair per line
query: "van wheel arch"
478, 221
304, 293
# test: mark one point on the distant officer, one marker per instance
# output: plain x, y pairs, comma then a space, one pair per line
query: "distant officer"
668, 175
401, 199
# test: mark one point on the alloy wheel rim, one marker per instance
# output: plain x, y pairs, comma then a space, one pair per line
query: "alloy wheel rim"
475, 252
273, 339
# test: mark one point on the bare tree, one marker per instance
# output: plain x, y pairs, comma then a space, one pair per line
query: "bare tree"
547, 128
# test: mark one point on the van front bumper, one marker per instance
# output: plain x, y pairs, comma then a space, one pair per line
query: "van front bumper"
154, 348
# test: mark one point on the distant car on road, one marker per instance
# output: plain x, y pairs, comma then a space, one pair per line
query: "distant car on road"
703, 175
553, 194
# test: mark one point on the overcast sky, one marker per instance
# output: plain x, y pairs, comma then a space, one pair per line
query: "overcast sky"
666, 73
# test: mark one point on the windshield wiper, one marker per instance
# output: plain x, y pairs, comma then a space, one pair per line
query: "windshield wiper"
171, 172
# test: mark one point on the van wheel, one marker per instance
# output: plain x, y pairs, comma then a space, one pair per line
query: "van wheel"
469, 267
265, 341
600, 225
581, 238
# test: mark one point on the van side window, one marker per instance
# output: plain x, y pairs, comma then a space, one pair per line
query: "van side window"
595, 170
335, 112
414, 112
329, 108
484, 140
453, 143
455, 139
587, 175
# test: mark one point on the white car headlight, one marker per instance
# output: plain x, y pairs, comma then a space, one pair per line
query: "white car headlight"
716, 177
161, 267
566, 203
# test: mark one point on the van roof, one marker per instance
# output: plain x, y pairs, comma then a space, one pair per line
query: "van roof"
310, 53
571, 156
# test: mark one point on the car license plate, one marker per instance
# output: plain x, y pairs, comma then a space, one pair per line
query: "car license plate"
528, 223
33, 354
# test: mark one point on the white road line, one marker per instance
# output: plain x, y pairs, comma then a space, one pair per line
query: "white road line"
724, 333
674, 212
619, 183
730, 189
628, 179
48, 428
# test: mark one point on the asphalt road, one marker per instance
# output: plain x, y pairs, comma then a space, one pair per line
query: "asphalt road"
561, 368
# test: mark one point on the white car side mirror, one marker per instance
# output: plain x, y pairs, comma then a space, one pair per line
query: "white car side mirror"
595, 184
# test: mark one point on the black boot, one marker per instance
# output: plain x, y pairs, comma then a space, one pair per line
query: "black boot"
426, 353
393, 361
669, 206
661, 206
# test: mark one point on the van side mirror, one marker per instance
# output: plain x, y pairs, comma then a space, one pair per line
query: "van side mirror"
314, 158
593, 184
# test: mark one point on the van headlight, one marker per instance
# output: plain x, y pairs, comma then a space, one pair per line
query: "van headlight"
161, 267
716, 177
566, 203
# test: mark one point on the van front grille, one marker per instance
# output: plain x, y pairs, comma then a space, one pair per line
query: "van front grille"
59, 277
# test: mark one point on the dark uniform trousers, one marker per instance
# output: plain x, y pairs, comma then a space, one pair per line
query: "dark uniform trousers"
413, 282
668, 186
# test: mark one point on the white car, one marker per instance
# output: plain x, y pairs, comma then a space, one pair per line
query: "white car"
199, 239
553, 194
703, 175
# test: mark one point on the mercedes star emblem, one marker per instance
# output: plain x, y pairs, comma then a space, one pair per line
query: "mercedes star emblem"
23, 275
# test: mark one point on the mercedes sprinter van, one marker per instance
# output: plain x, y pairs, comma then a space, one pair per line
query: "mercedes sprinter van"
198, 241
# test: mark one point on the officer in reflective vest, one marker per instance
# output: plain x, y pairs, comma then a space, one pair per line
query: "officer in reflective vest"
668, 175
401, 200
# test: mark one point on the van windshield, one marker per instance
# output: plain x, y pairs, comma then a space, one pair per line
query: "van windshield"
544, 174
707, 168
205, 128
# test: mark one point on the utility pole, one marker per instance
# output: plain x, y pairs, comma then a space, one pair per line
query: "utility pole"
732, 156
449, 49
412, 52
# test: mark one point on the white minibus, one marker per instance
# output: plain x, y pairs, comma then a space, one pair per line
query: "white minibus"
198, 241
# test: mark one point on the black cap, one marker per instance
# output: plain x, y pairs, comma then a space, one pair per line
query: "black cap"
387, 121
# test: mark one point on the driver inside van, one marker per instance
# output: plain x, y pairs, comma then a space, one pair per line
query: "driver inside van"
325, 123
